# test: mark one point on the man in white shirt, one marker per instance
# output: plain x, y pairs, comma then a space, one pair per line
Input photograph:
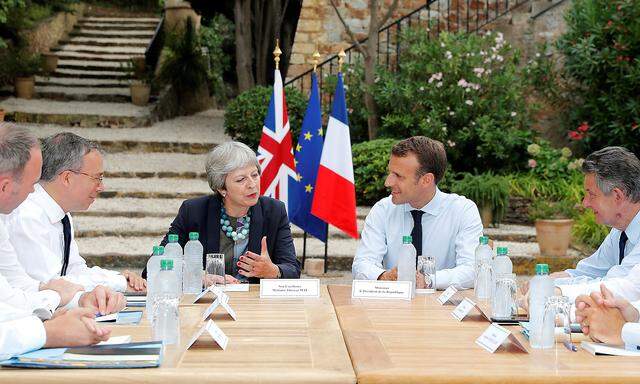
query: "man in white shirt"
41, 228
612, 192
20, 329
446, 226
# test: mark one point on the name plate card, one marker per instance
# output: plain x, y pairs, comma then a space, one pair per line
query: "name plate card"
289, 288
377, 289
213, 289
212, 330
223, 301
447, 295
463, 309
494, 336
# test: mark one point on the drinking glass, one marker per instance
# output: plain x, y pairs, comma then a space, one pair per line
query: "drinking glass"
504, 304
215, 270
556, 312
427, 268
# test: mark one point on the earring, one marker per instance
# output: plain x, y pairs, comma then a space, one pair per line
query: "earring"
224, 194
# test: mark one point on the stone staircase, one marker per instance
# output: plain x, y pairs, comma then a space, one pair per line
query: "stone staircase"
90, 86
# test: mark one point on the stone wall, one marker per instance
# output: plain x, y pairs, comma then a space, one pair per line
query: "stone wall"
47, 33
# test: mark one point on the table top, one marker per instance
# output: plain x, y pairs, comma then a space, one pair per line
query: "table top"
273, 341
418, 341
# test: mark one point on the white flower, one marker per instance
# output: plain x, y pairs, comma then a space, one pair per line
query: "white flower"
346, 87
376, 80
468, 102
439, 85
421, 89
435, 76
451, 143
448, 55
468, 89
487, 60
488, 71
463, 83
475, 86
538, 54
478, 71
442, 45
452, 113
513, 114
444, 129
473, 123
499, 58
428, 119
489, 33
483, 53
448, 108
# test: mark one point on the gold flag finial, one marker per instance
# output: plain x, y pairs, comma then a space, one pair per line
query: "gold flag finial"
316, 58
276, 54
341, 56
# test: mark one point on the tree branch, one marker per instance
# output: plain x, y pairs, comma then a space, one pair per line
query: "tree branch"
389, 13
349, 32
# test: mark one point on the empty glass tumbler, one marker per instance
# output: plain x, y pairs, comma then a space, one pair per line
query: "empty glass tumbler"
504, 304
215, 270
427, 268
557, 311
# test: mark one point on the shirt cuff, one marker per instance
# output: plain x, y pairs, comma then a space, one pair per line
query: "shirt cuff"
47, 299
572, 291
74, 302
631, 335
36, 338
120, 284
371, 272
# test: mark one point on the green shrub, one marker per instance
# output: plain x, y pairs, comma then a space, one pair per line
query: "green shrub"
183, 66
548, 163
602, 62
548, 210
587, 231
244, 116
370, 161
19, 62
217, 36
486, 190
465, 90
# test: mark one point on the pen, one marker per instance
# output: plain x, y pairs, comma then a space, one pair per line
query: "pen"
570, 346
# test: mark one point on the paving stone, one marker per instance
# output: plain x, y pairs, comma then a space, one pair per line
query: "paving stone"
81, 82
73, 108
122, 20
100, 74
107, 41
172, 188
93, 56
93, 64
98, 49
148, 33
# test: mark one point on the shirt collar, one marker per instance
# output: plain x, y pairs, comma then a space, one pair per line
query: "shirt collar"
51, 208
633, 229
433, 207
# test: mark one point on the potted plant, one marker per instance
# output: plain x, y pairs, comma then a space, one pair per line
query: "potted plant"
22, 65
553, 221
490, 193
140, 86
2, 114
49, 62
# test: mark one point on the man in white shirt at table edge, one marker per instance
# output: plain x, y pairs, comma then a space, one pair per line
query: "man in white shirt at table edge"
71, 180
20, 329
448, 224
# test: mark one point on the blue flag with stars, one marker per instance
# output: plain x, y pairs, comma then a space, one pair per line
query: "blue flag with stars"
307, 157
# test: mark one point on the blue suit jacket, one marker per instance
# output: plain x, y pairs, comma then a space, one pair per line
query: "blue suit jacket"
268, 218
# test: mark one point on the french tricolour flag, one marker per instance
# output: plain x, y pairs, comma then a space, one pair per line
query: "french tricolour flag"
334, 200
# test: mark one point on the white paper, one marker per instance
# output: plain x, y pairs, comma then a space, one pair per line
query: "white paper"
111, 317
136, 299
289, 288
212, 330
236, 288
493, 337
224, 304
447, 295
463, 309
378, 289
213, 289
116, 340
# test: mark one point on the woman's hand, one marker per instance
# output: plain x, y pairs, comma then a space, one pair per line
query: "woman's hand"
253, 265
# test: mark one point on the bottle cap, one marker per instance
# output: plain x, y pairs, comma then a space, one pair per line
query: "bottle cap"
542, 269
156, 250
173, 238
194, 235
406, 239
166, 264
160, 249
484, 240
502, 251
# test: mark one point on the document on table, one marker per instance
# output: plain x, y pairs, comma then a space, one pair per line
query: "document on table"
123, 317
597, 349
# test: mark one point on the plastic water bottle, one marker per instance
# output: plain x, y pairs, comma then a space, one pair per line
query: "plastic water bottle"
407, 263
174, 250
192, 276
540, 288
502, 264
166, 317
483, 253
153, 267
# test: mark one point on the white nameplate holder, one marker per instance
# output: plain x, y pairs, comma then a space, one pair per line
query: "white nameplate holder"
223, 301
379, 289
212, 330
289, 288
447, 295
212, 288
494, 336
463, 309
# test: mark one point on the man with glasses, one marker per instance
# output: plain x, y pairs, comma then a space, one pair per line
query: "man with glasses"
41, 228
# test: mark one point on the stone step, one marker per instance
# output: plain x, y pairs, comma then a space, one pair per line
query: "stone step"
93, 33
84, 94
107, 41
92, 49
127, 207
154, 163
116, 26
88, 74
92, 56
81, 82
119, 20
76, 113
154, 187
92, 65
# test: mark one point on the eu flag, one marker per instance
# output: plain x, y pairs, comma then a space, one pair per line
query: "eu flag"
307, 155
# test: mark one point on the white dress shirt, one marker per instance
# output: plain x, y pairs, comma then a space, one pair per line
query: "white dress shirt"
16, 287
35, 230
451, 227
20, 332
631, 331
605, 262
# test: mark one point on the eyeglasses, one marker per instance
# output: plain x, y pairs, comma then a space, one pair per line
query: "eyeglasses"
98, 180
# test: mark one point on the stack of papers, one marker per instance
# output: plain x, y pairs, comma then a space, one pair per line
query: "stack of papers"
136, 299
123, 317
597, 349
130, 355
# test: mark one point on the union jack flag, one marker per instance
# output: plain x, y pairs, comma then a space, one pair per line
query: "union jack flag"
275, 152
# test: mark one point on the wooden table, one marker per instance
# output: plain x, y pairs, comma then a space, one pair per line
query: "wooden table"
273, 341
420, 342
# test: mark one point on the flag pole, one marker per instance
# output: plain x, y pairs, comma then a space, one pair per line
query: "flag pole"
276, 54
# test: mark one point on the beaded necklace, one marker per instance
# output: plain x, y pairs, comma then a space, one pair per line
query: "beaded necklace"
242, 229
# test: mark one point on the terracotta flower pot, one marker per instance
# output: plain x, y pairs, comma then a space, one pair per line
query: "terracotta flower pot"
486, 215
50, 62
25, 87
2, 114
140, 93
554, 236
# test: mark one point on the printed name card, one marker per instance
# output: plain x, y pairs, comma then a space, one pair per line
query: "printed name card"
377, 289
212, 330
493, 337
223, 301
217, 291
289, 288
447, 295
463, 309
